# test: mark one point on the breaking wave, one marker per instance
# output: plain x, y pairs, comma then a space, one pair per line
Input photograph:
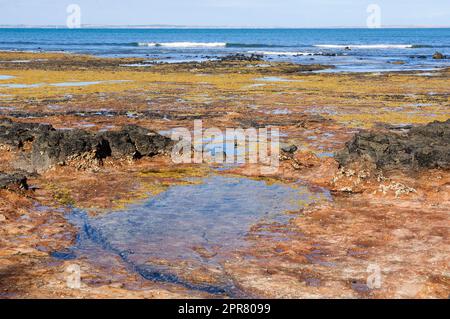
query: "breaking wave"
365, 46
188, 44
206, 45
183, 44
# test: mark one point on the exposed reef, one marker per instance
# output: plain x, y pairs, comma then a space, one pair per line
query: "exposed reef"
50, 146
13, 180
425, 146
243, 57
393, 219
439, 56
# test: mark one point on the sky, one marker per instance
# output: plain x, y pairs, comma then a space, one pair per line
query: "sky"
231, 13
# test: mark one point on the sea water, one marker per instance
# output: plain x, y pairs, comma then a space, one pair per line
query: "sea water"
349, 49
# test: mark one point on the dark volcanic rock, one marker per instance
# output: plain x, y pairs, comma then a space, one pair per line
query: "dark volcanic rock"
438, 56
425, 146
55, 147
120, 144
51, 147
243, 57
86, 114
14, 180
14, 134
291, 149
147, 143
135, 141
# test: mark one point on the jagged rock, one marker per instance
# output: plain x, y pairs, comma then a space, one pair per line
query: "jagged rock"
438, 56
15, 134
13, 180
291, 149
327, 54
425, 146
55, 147
120, 144
136, 141
51, 147
243, 57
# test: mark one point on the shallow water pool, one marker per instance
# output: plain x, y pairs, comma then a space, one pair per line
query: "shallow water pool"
199, 226
6, 77
277, 79
20, 86
81, 83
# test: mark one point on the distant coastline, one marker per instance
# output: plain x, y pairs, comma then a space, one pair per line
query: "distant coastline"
157, 26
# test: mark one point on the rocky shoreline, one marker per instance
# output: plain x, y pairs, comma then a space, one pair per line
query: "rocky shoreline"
425, 146
51, 147
13, 181
376, 171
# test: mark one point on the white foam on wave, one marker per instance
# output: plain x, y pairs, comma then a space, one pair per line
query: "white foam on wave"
183, 44
364, 46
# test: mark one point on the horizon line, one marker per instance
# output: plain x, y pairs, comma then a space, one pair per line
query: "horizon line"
169, 26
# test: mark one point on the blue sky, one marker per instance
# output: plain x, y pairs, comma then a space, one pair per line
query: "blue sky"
269, 13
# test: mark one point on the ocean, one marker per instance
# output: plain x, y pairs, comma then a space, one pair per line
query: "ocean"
350, 50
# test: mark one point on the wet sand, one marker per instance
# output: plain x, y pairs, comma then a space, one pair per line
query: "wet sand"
395, 221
